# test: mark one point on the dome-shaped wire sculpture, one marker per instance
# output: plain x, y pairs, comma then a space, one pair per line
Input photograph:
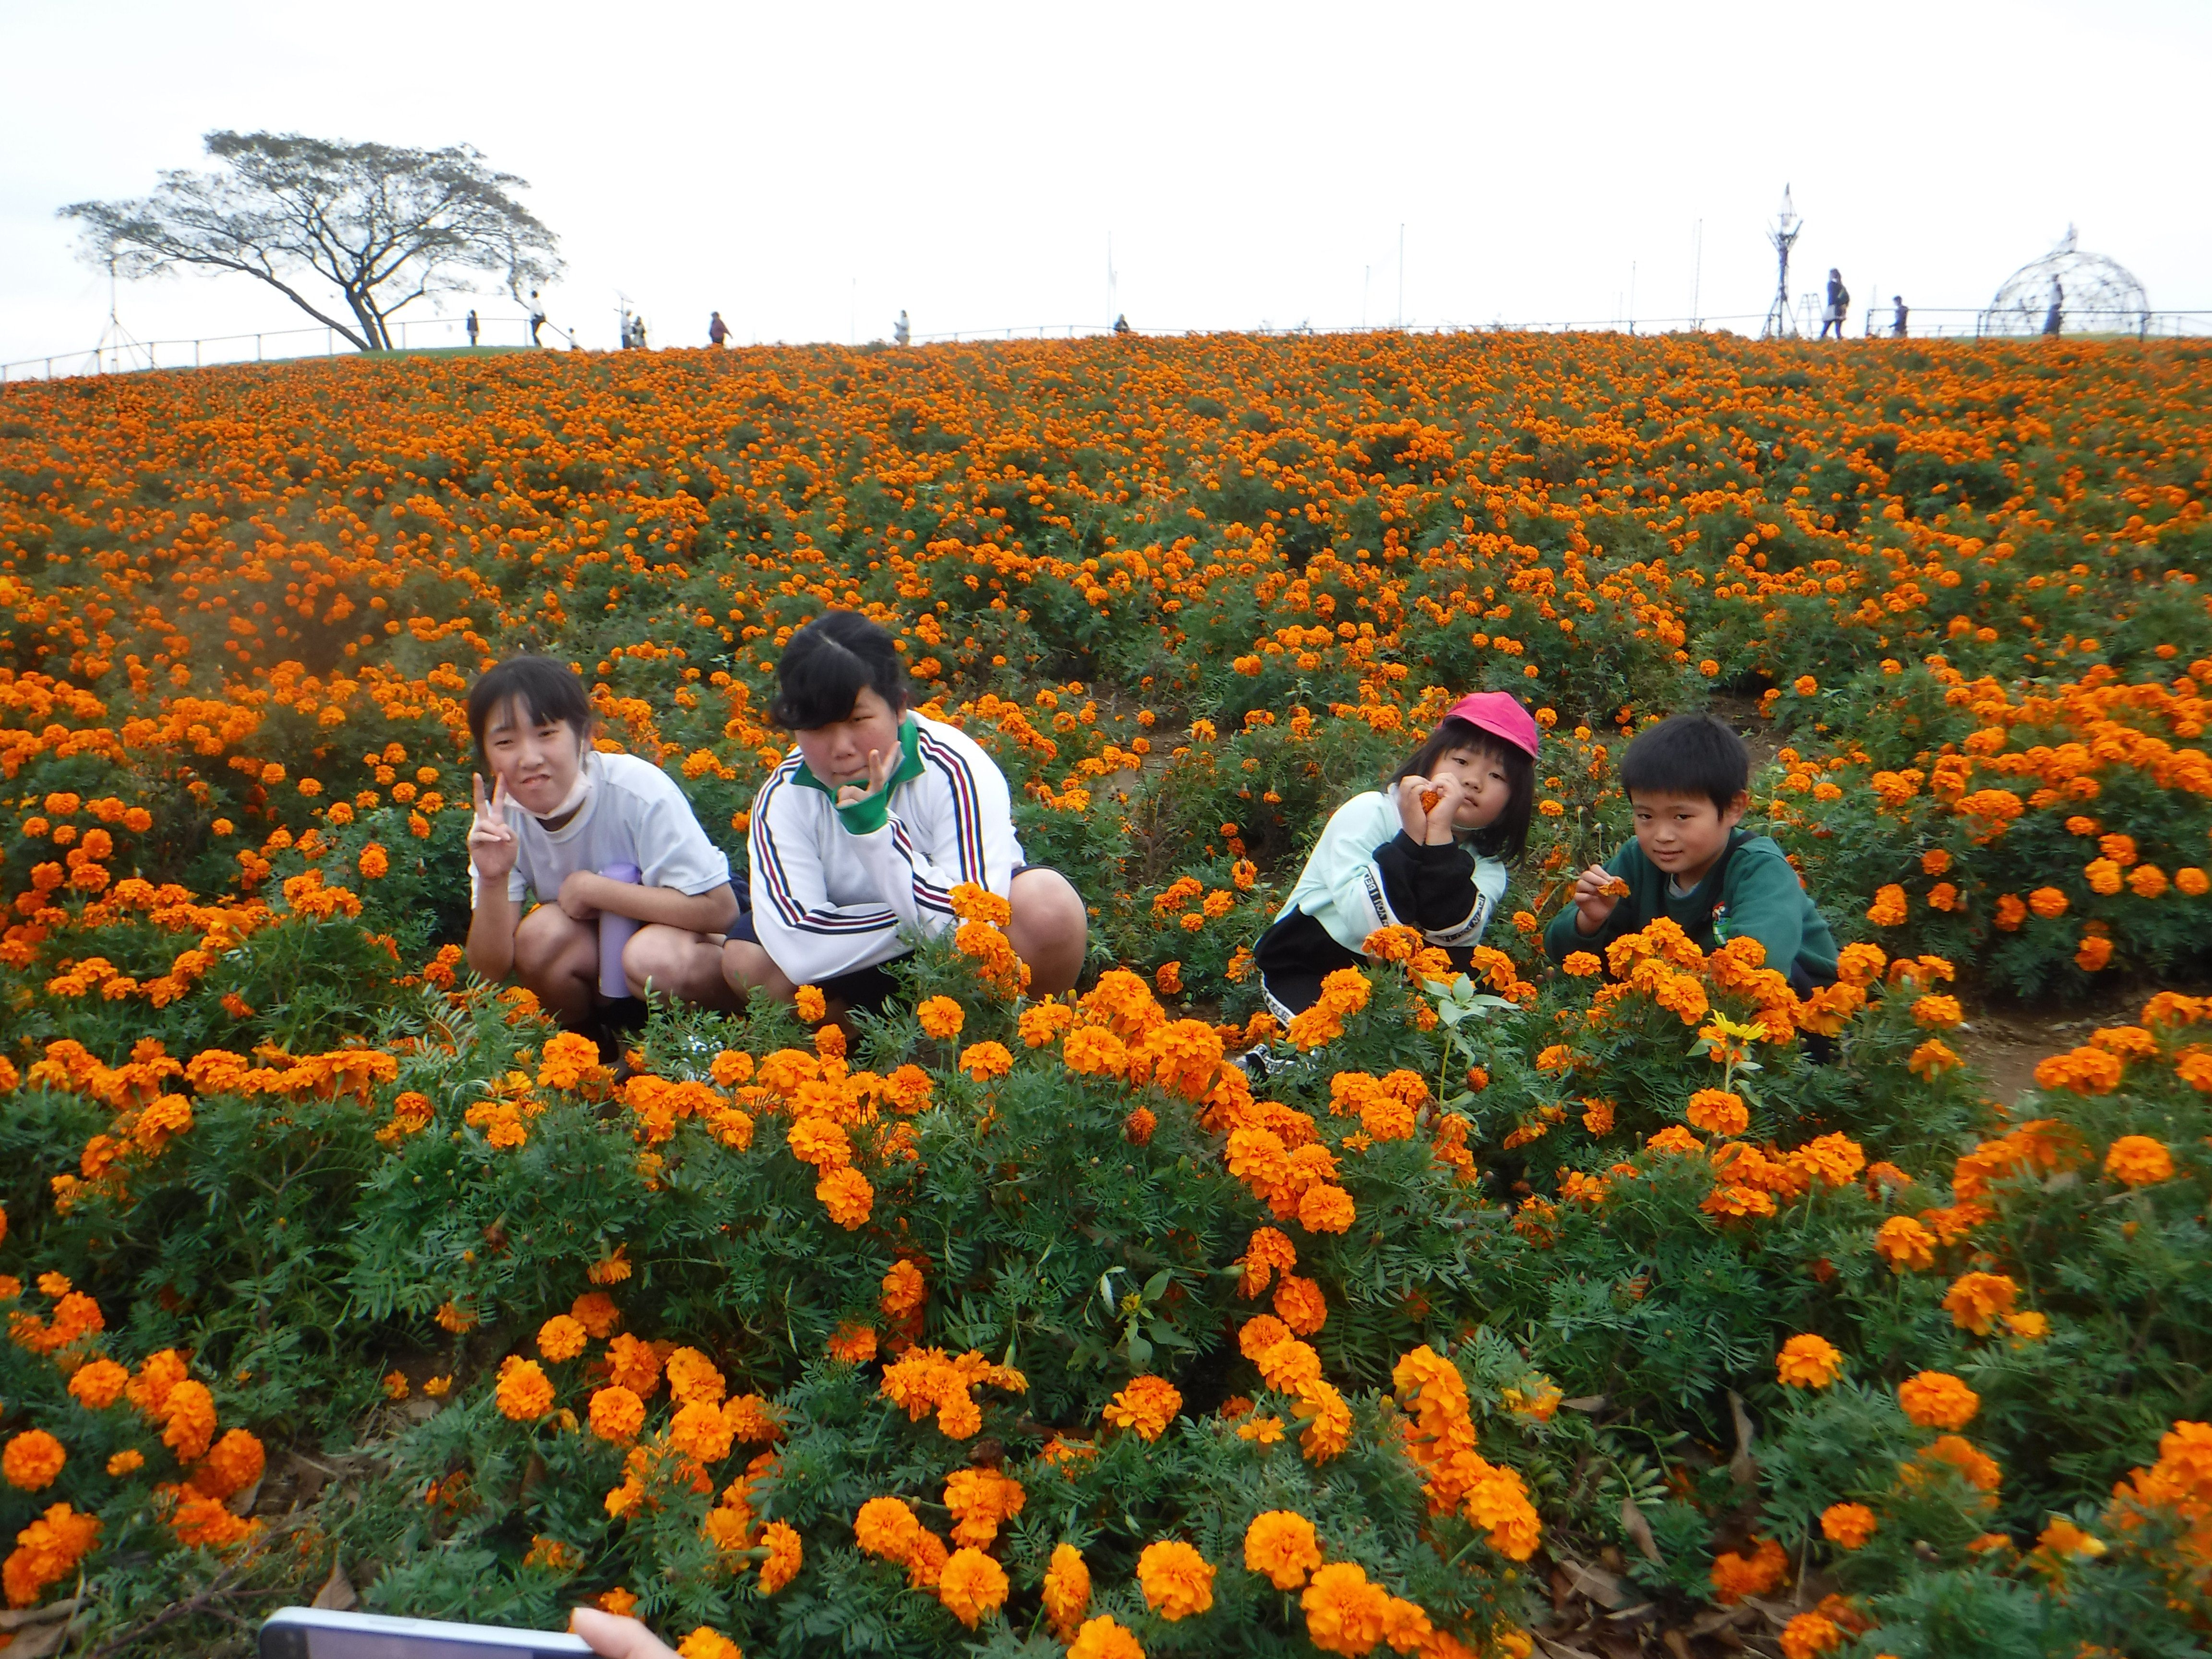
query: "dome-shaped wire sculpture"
2068, 291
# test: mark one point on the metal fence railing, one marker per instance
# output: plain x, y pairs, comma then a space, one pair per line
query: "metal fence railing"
123, 354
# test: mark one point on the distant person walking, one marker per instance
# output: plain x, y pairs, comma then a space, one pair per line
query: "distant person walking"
472, 328
537, 317
1839, 305
717, 330
1121, 323
2052, 318
901, 334
1897, 323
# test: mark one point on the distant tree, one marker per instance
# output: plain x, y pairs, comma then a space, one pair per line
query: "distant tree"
383, 225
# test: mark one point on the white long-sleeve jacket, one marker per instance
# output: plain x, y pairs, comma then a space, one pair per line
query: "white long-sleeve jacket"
833, 889
1347, 884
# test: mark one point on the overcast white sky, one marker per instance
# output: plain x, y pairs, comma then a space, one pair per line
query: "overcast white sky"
810, 168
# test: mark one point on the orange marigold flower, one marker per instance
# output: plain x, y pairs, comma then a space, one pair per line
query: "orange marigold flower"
562, 1338
2047, 903
1905, 1245
705, 1642
1937, 1400
1281, 1546
1717, 1112
1102, 1639
971, 1584
524, 1395
1326, 1209
1299, 1305
633, 1364
854, 1344
189, 1420
1177, 1580
2083, 1071
941, 1016
1735, 1575
1938, 1013
1067, 1590
1344, 1611
48, 1552
2092, 953
1040, 1024
985, 1060
1933, 1058
232, 1464
32, 1460
2139, 1161
617, 1413
1147, 1405
785, 1554
1137, 1127
848, 1197
2192, 881
1808, 1362
902, 1289
1847, 1526
127, 1461
596, 1312
98, 1383
1094, 1051
1888, 909
1810, 1634
1581, 965
812, 1005
1977, 1300
1979, 1468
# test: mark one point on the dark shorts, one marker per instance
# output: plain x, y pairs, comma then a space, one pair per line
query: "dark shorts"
868, 987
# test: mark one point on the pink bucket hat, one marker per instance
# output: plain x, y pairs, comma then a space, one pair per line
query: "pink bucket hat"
1499, 713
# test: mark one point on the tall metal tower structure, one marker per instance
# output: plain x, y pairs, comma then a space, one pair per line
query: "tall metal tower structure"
1781, 321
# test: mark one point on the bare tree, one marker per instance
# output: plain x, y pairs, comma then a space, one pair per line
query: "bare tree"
383, 225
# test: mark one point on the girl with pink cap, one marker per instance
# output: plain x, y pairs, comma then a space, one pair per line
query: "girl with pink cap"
1428, 852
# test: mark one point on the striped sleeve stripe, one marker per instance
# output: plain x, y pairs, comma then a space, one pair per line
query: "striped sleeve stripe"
769, 864
967, 810
926, 892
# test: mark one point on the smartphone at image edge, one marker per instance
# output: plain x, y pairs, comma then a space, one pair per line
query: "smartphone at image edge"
312, 1633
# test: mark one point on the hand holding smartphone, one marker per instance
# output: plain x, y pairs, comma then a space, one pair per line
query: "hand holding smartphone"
314, 1633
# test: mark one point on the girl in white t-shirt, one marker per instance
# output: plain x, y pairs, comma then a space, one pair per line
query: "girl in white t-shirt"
559, 813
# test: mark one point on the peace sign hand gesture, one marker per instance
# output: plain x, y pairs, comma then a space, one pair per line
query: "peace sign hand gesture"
492, 845
880, 766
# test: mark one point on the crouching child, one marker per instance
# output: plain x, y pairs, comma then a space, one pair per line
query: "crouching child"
558, 816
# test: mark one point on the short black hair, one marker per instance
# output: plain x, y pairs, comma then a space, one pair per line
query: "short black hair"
828, 664
1689, 754
547, 690
1506, 835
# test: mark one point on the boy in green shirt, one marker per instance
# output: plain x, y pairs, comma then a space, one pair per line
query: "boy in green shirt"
1688, 781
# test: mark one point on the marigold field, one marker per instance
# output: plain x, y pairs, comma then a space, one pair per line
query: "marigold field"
1564, 1310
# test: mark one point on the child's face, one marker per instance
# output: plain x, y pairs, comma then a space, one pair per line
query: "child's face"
1683, 835
1484, 787
838, 753
536, 760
